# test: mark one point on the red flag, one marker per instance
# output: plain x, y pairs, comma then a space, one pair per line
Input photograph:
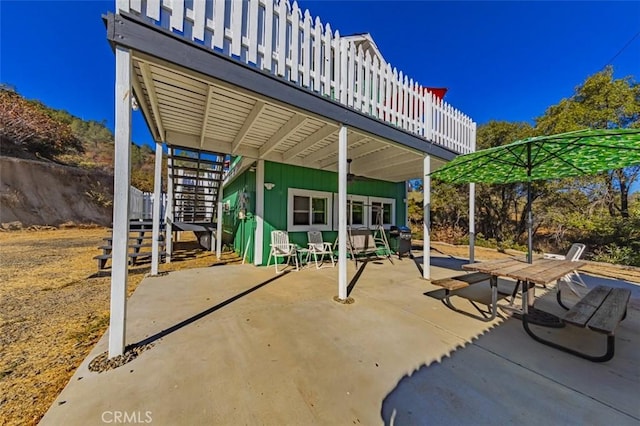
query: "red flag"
438, 91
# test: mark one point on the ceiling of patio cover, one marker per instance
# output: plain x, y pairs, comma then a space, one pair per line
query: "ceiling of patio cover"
578, 153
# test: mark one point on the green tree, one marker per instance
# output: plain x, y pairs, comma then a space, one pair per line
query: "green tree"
601, 102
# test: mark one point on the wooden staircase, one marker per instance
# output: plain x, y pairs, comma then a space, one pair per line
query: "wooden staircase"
196, 178
140, 243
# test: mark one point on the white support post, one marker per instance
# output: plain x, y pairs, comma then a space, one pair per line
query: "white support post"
219, 224
168, 215
121, 184
342, 213
406, 203
259, 215
157, 202
426, 205
472, 204
472, 222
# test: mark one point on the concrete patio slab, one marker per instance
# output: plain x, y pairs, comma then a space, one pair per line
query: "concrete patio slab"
237, 344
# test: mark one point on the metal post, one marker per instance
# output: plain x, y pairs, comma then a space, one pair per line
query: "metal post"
426, 227
472, 205
342, 213
121, 184
472, 222
157, 202
529, 206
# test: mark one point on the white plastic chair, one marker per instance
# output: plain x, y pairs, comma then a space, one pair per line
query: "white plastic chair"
574, 254
317, 246
280, 247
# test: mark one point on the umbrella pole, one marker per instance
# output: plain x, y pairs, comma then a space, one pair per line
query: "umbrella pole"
529, 225
529, 207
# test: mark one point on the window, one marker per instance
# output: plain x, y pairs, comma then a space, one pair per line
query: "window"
382, 210
357, 208
356, 213
309, 210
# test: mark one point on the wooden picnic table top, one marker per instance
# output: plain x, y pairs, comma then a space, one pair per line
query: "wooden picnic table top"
541, 271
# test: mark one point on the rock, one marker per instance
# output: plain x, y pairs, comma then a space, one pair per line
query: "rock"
12, 226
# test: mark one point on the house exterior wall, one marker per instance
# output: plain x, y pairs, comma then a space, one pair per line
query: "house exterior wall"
238, 220
277, 210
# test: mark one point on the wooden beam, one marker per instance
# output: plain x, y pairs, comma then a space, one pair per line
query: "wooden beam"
381, 162
151, 92
248, 123
287, 129
313, 139
142, 101
193, 141
405, 173
329, 150
205, 118
353, 153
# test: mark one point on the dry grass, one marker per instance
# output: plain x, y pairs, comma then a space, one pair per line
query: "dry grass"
54, 308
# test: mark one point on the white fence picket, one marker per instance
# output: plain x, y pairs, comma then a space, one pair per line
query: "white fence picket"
317, 55
252, 32
366, 93
218, 28
136, 5
349, 87
177, 14
327, 65
282, 38
309, 53
295, 42
199, 20
268, 35
306, 49
236, 28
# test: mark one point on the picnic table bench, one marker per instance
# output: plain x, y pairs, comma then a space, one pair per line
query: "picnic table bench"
452, 284
601, 310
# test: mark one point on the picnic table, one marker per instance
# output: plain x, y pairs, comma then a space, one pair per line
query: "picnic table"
541, 271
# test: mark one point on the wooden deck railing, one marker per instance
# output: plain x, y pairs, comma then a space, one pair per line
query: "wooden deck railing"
277, 36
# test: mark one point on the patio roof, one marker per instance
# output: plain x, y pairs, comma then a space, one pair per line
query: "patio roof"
194, 97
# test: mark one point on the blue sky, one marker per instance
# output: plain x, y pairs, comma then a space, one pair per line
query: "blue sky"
500, 60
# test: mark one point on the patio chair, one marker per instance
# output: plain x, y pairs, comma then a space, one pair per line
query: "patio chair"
574, 254
317, 246
281, 247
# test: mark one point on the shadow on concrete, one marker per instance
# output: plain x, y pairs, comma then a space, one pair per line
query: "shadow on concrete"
208, 311
483, 380
356, 277
448, 262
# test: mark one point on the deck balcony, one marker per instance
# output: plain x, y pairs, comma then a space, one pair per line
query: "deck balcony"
279, 38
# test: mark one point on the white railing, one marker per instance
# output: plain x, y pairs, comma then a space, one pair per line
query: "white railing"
141, 204
278, 37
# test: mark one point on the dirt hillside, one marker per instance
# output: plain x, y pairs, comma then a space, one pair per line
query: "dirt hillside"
42, 193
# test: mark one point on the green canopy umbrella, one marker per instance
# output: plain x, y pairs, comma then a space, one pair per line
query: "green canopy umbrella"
583, 152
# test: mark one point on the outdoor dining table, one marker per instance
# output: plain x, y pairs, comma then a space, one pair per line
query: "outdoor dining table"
541, 271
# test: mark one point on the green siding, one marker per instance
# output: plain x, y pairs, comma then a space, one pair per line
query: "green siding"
236, 231
287, 176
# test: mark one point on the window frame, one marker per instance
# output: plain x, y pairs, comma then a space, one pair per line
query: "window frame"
297, 192
357, 198
382, 200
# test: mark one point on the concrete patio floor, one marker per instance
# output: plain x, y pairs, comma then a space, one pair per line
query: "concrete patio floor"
238, 345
